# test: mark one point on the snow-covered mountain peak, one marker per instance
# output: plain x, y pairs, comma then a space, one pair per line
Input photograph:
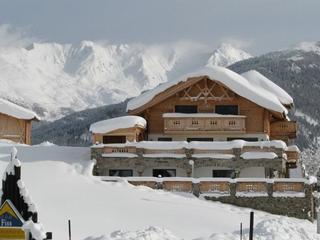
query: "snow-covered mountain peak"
61, 78
226, 54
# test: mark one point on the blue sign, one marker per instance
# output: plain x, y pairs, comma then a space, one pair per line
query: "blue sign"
9, 216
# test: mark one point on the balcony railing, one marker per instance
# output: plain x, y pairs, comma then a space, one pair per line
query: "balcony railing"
178, 123
284, 129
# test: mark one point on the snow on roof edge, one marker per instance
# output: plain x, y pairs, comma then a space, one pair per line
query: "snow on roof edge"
17, 111
117, 123
262, 81
232, 80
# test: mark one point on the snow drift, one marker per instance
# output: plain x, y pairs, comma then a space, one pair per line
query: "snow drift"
58, 182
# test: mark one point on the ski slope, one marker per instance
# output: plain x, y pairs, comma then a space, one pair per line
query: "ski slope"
60, 184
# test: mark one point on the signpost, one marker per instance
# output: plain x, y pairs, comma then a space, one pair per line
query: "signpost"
11, 222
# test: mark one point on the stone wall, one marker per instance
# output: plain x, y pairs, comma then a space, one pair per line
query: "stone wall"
270, 195
140, 163
291, 206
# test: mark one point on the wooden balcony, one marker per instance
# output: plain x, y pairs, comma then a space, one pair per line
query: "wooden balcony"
176, 123
284, 129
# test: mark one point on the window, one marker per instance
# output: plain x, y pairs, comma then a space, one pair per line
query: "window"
186, 108
164, 172
114, 139
164, 139
223, 173
252, 139
121, 172
227, 109
200, 139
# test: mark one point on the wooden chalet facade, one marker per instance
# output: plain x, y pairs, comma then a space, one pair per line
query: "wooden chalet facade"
210, 110
15, 122
213, 105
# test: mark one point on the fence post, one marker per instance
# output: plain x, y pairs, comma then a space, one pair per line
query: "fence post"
241, 231
69, 227
251, 226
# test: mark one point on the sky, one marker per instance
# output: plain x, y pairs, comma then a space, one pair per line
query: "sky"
255, 25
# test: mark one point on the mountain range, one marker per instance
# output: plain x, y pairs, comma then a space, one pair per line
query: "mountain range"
58, 79
297, 70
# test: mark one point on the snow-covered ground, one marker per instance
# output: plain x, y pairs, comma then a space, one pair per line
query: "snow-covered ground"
61, 186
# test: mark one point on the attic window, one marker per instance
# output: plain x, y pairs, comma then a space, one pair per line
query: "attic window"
186, 108
227, 109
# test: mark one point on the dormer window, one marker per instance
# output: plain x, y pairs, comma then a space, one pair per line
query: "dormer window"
227, 109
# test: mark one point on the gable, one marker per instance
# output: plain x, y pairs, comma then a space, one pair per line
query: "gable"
206, 90
199, 90
235, 82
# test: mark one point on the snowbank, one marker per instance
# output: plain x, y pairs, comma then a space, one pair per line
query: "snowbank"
118, 123
14, 110
151, 233
232, 80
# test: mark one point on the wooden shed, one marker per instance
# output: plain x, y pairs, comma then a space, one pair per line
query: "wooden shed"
15, 122
118, 130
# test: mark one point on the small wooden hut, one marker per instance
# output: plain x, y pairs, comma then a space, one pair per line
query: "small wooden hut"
118, 130
15, 122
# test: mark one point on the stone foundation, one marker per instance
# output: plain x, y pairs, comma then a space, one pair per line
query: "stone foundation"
277, 196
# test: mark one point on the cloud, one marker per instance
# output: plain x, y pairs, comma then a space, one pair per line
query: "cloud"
237, 42
13, 37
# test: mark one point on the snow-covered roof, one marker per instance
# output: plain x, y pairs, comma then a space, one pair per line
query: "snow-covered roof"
118, 123
14, 110
232, 80
260, 81
259, 155
293, 148
215, 145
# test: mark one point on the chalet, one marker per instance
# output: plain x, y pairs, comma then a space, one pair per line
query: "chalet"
210, 123
15, 122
